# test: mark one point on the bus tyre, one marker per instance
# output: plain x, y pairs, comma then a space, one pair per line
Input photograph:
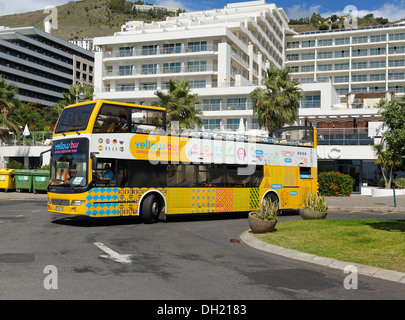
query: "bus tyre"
150, 209
271, 196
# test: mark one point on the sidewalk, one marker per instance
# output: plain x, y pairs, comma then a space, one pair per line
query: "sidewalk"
357, 202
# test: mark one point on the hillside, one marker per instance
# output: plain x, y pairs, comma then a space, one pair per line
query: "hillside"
88, 18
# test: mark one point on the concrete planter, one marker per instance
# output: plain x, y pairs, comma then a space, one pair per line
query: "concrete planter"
308, 214
386, 192
259, 225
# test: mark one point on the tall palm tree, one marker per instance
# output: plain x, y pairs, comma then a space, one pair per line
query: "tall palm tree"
8, 103
277, 104
180, 104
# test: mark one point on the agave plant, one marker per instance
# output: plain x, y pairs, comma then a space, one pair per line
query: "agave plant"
316, 202
268, 210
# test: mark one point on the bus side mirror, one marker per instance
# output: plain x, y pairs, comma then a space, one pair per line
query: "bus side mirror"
94, 160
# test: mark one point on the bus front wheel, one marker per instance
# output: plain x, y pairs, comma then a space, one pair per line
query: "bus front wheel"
150, 209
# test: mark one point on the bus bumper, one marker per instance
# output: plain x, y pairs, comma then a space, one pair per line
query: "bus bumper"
74, 204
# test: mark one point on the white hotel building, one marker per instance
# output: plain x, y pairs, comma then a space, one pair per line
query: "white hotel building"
224, 53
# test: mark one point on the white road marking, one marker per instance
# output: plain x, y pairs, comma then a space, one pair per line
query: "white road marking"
111, 254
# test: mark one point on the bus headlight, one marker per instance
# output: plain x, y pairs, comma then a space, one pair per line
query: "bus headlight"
77, 202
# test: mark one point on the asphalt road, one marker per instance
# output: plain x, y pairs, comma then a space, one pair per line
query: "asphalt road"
48, 256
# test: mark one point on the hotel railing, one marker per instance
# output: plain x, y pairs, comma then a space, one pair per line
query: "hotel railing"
345, 136
36, 138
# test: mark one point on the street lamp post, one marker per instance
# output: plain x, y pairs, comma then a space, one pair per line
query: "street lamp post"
80, 96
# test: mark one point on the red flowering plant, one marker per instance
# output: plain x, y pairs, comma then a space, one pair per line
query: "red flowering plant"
335, 184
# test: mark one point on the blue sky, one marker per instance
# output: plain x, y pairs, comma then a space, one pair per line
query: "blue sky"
391, 9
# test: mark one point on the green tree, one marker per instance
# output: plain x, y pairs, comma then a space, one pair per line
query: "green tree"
391, 151
277, 104
8, 103
71, 96
180, 104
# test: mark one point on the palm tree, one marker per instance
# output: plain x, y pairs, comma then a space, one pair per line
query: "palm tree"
180, 104
70, 97
8, 103
385, 163
277, 104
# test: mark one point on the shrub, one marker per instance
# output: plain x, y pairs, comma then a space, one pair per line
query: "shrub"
399, 183
13, 164
268, 210
335, 184
315, 202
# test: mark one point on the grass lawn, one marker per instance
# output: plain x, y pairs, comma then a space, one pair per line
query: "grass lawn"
378, 243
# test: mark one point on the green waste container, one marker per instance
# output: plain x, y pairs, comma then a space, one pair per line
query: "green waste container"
23, 180
40, 180
7, 181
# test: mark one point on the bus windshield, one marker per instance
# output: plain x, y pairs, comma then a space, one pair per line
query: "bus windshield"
74, 119
69, 165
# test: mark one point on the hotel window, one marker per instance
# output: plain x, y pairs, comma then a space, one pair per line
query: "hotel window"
342, 53
377, 64
361, 89
340, 79
236, 103
359, 65
377, 51
172, 67
197, 84
340, 41
149, 86
308, 44
396, 63
307, 68
313, 101
293, 57
325, 55
342, 91
378, 38
255, 124
294, 69
212, 104
307, 80
396, 88
149, 68
149, 50
341, 66
126, 70
396, 49
359, 77
308, 56
211, 124
233, 124
396, 76
294, 44
396, 36
197, 66
377, 77
376, 89
172, 48
362, 39
324, 42
197, 46
126, 51
325, 67
359, 52
127, 87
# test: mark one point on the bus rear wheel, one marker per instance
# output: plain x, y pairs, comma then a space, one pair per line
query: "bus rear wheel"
150, 209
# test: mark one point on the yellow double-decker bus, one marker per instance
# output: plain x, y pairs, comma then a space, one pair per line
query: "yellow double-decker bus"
116, 159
